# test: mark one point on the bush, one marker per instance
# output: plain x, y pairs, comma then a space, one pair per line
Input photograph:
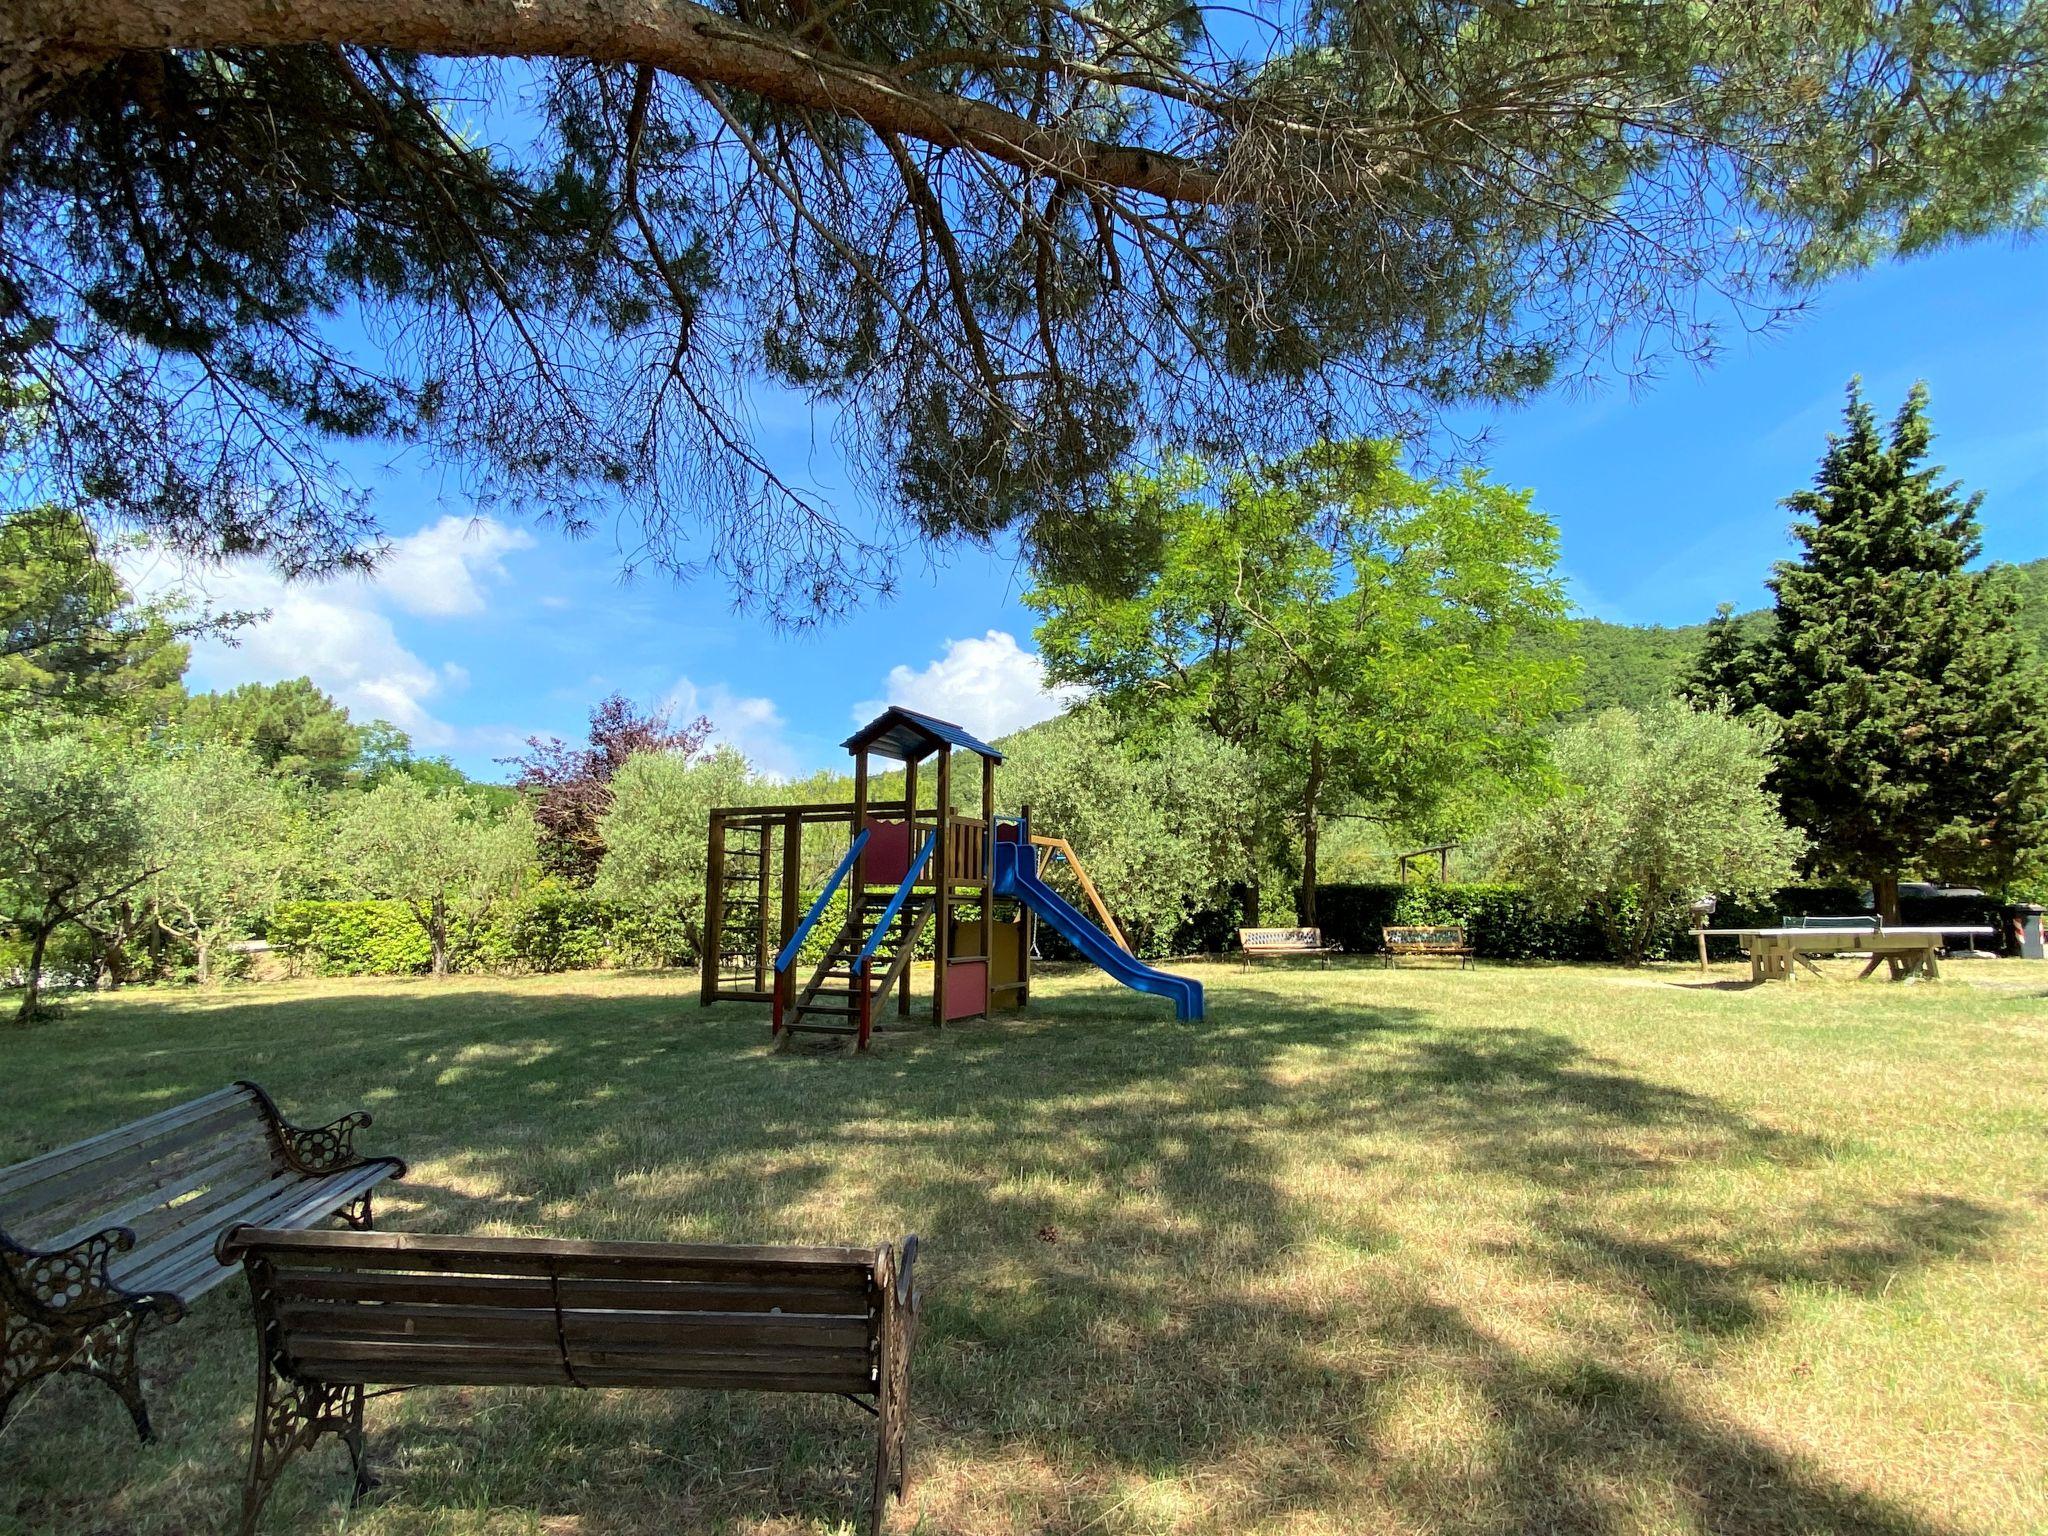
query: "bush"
557, 927
350, 938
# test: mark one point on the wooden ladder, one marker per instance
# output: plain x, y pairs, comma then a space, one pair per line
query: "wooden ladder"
835, 1001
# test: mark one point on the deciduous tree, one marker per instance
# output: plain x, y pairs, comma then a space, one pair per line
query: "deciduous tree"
1160, 826
1361, 633
1008, 247
654, 836
570, 787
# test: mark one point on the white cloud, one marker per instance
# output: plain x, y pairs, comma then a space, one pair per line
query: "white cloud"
989, 685
338, 633
750, 724
436, 571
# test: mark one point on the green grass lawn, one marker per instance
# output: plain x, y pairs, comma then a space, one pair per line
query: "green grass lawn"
1506, 1250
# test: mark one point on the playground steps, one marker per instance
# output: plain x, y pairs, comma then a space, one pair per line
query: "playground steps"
832, 1003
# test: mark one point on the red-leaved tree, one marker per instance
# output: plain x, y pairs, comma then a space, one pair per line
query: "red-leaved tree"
570, 785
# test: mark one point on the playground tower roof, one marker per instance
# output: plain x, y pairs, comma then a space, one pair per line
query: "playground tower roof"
906, 735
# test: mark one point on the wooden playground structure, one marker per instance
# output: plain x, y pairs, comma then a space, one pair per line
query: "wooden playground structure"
909, 869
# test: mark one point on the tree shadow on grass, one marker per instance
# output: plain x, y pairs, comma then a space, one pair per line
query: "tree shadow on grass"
1132, 1274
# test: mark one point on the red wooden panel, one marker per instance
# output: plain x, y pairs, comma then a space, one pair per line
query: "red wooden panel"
966, 988
888, 852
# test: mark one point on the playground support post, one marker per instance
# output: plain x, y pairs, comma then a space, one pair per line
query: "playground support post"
714, 909
792, 889
942, 861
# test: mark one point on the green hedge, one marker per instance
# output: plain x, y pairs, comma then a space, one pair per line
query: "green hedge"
1506, 923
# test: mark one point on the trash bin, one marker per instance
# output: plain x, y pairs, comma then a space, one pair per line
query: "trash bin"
2028, 917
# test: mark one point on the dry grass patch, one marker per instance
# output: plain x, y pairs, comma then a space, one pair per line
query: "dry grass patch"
1420, 1251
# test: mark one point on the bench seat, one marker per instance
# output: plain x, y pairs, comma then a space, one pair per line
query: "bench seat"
119, 1230
1267, 943
1447, 941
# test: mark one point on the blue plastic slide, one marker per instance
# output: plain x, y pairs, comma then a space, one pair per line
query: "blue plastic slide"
1016, 871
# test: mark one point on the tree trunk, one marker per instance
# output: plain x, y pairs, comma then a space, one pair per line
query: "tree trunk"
45, 40
1884, 893
437, 935
1305, 906
32, 993
202, 953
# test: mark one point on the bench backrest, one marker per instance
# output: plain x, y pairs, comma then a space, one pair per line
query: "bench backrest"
1424, 936
1280, 938
161, 1176
401, 1309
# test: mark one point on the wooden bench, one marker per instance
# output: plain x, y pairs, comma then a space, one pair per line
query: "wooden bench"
339, 1312
1264, 943
116, 1231
1440, 940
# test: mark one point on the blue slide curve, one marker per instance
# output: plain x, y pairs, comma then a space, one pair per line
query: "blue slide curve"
1017, 880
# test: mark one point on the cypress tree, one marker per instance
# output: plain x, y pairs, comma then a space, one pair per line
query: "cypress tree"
1915, 735
1725, 672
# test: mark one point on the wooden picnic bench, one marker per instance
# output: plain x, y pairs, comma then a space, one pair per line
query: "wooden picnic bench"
1776, 954
340, 1312
99, 1238
1440, 940
1266, 943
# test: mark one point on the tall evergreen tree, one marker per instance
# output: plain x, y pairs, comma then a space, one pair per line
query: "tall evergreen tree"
1914, 737
1725, 672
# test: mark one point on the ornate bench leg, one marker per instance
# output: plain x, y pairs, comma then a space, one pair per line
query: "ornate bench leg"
60, 1312
291, 1416
357, 1213
109, 1355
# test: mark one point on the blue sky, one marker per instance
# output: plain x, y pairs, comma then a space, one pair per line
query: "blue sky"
478, 633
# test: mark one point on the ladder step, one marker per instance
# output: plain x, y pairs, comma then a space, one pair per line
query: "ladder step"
800, 1028
810, 1008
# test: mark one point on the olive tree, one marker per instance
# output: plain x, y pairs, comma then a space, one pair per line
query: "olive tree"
438, 851
1159, 826
1656, 808
220, 839
73, 839
655, 834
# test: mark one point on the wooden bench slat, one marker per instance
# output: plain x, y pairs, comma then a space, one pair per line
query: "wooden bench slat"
487, 1252
238, 1161
482, 1371
395, 1362
680, 1331
157, 1165
60, 1159
848, 1299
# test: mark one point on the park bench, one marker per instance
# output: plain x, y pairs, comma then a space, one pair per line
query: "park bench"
116, 1231
1440, 940
1263, 943
340, 1312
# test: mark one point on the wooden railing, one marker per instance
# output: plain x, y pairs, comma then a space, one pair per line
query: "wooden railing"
966, 848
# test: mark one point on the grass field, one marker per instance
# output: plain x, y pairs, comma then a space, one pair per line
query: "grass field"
1507, 1250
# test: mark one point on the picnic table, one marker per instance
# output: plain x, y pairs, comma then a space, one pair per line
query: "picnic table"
1775, 954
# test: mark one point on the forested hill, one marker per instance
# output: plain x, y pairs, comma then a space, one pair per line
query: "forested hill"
1634, 665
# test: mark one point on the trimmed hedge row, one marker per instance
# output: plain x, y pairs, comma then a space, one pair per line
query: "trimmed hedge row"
1506, 923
